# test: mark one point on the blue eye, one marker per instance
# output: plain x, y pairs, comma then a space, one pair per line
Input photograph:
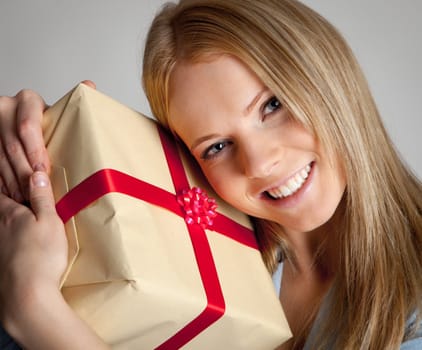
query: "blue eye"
272, 105
214, 149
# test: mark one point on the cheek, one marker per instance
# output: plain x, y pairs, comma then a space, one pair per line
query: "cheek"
219, 185
332, 187
223, 183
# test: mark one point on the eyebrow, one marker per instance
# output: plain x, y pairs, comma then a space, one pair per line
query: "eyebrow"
248, 108
255, 100
202, 139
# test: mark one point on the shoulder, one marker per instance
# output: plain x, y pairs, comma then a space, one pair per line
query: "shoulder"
414, 342
277, 276
6, 342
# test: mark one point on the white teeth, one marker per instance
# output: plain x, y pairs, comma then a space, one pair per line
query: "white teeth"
292, 185
279, 193
299, 179
304, 174
285, 191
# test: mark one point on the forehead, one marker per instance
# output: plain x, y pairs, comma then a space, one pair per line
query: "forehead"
217, 69
211, 85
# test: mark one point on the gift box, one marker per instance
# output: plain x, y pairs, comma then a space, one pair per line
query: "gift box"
156, 259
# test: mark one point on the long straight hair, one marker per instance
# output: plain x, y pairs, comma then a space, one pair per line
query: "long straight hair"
308, 65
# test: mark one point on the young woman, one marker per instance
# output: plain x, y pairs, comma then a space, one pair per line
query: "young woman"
271, 102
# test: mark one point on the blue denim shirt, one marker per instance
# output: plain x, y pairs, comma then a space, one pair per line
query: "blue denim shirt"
415, 343
6, 342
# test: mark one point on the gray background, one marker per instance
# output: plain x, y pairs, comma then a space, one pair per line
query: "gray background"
51, 45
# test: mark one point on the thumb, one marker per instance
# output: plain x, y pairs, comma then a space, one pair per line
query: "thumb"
41, 194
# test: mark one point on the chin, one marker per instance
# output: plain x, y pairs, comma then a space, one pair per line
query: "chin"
307, 223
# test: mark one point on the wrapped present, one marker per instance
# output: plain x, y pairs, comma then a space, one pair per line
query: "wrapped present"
156, 260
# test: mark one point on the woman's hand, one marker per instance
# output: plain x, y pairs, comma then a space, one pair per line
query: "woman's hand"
22, 147
33, 258
33, 250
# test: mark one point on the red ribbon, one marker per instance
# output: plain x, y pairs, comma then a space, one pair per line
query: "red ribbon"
109, 180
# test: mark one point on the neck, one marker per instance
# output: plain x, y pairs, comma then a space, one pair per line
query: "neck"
316, 252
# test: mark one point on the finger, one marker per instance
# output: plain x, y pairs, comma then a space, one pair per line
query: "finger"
9, 182
29, 118
89, 83
3, 187
5, 204
9, 211
8, 142
41, 195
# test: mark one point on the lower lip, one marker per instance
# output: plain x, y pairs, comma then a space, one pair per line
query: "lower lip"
294, 199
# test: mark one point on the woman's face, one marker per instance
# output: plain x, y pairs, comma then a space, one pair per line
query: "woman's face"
251, 151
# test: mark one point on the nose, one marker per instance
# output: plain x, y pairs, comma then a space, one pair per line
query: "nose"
258, 158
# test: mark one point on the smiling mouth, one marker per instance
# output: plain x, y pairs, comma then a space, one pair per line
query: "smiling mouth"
292, 185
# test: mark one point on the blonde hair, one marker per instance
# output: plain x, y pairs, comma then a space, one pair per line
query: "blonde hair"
308, 65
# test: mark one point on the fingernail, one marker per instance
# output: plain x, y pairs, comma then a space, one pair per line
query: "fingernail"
40, 179
39, 167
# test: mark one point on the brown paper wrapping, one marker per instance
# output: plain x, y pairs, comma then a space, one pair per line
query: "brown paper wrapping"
132, 274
